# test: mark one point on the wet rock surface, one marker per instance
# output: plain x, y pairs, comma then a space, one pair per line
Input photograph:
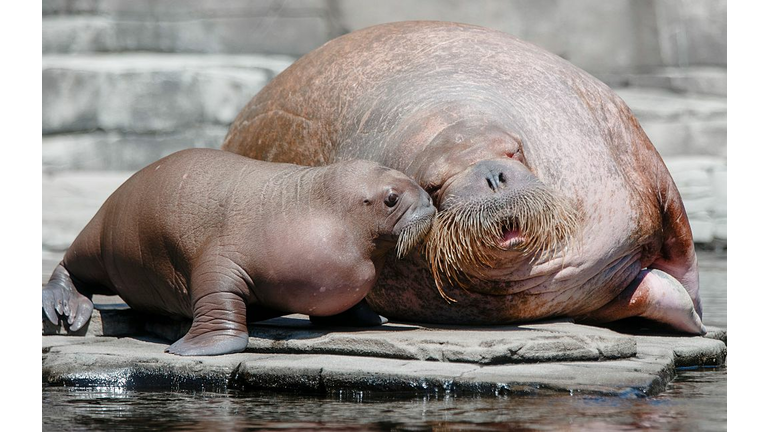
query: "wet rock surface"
291, 354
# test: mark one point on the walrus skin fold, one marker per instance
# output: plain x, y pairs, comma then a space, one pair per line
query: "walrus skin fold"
552, 202
220, 238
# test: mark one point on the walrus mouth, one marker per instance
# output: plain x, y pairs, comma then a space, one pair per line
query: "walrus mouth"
511, 237
469, 237
412, 235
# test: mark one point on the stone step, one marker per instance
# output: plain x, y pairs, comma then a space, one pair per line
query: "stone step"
199, 26
598, 36
70, 200
680, 124
660, 104
696, 80
116, 151
616, 36
702, 182
166, 8
148, 92
704, 80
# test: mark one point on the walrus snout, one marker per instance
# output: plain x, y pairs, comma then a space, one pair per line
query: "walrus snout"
414, 225
419, 207
494, 208
488, 178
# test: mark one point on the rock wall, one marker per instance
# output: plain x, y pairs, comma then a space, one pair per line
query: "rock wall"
126, 82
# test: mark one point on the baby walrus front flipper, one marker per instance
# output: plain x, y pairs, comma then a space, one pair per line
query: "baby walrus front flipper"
207, 235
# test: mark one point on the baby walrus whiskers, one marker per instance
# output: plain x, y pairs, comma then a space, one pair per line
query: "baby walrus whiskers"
412, 235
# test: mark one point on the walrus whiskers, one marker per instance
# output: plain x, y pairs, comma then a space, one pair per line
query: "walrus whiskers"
467, 235
412, 235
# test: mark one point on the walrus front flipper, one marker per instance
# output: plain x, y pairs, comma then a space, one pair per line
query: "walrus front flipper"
218, 317
657, 296
218, 327
359, 315
60, 297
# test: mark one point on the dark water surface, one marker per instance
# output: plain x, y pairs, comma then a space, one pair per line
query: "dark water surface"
694, 401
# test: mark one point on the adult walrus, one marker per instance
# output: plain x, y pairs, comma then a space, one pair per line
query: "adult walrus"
552, 202
213, 236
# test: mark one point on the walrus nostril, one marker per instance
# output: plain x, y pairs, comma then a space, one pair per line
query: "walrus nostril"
491, 185
495, 180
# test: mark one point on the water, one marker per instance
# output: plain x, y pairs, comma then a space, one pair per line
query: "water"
696, 401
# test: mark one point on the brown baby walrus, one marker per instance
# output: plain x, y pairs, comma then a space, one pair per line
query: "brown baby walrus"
209, 235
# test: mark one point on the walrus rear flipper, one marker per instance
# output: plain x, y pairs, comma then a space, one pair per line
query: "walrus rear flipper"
654, 295
60, 297
678, 255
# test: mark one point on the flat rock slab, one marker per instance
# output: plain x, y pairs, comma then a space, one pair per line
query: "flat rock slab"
289, 354
295, 334
533, 343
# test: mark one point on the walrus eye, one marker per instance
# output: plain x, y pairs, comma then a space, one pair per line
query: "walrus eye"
391, 199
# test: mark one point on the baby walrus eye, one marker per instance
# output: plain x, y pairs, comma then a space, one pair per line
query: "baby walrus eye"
391, 199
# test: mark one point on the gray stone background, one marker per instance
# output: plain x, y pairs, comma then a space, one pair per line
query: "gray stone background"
126, 82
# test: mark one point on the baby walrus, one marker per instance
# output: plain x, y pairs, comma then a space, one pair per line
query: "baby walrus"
207, 234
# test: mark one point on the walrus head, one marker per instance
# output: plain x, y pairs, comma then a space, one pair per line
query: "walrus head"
492, 210
403, 211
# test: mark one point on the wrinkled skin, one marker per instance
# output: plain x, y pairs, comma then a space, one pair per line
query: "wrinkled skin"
216, 237
475, 115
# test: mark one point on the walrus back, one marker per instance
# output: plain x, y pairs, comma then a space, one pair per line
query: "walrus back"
143, 240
